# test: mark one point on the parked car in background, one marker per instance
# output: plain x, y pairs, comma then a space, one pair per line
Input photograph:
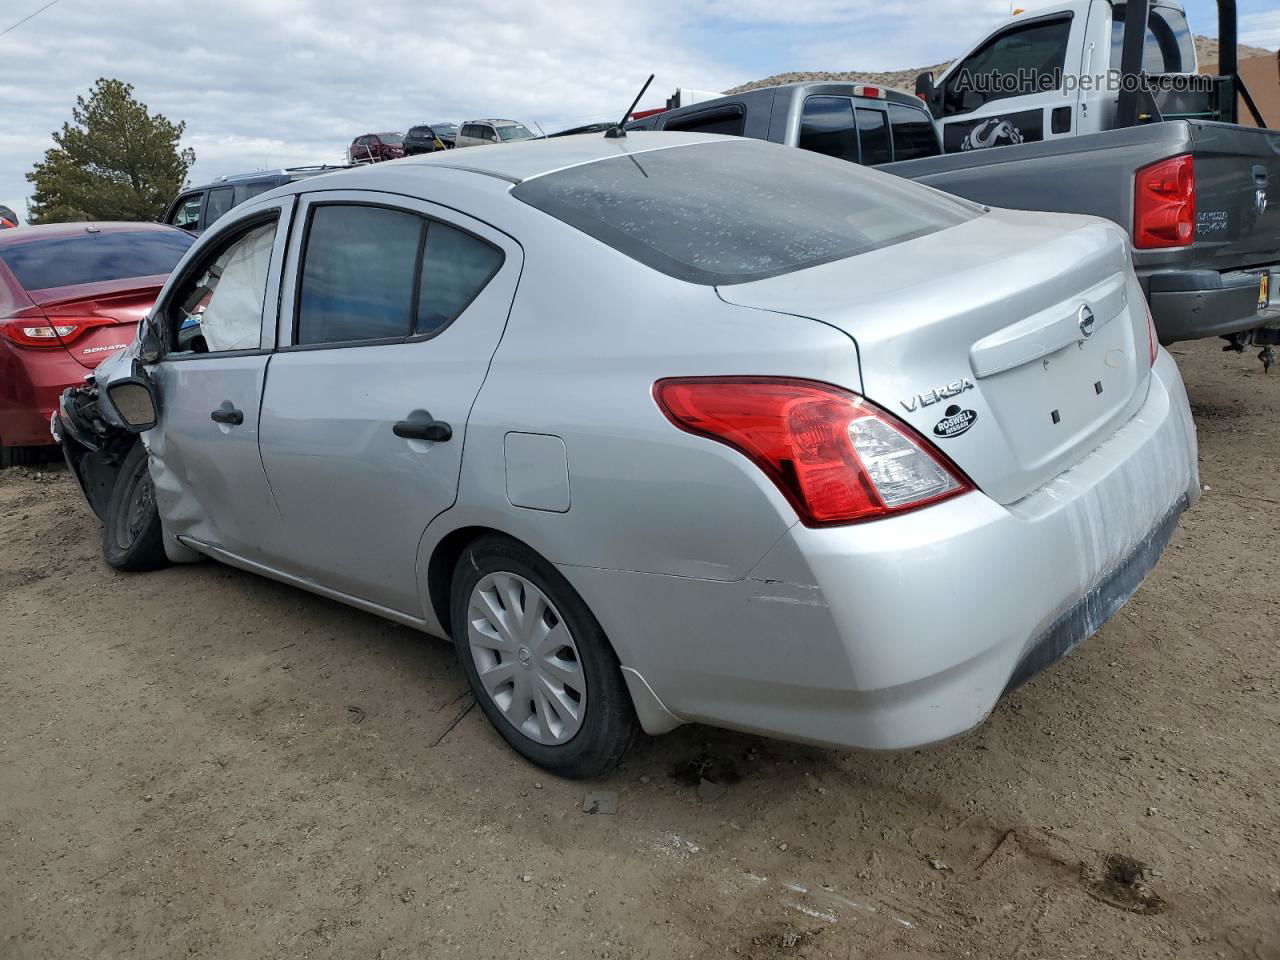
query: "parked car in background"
197, 208
843, 461
429, 137
7, 218
71, 294
478, 133
375, 148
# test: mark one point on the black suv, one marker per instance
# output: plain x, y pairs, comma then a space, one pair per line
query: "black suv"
199, 207
430, 137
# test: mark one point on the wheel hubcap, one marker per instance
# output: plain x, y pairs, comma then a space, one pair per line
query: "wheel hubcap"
526, 658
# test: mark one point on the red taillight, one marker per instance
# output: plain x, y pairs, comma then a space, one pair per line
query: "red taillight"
1164, 204
38, 332
836, 457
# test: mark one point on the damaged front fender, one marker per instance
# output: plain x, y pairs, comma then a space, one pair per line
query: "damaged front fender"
92, 436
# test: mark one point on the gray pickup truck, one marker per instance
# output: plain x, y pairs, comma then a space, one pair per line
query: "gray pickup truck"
1192, 193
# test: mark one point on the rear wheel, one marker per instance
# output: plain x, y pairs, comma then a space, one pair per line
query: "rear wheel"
538, 661
131, 534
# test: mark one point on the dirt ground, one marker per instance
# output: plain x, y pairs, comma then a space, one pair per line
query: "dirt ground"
200, 763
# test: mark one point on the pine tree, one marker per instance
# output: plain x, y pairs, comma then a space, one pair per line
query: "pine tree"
114, 161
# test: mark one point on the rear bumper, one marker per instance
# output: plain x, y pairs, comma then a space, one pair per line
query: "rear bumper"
30, 383
906, 632
1193, 304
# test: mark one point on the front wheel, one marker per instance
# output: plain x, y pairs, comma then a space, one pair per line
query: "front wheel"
538, 661
131, 536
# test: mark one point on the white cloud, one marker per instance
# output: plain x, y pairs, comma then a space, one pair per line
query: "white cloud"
293, 81
1261, 29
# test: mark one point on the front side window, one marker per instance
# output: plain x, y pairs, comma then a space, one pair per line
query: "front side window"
42, 263
1023, 60
732, 211
220, 307
914, 134
377, 274
220, 201
187, 213
826, 126
873, 131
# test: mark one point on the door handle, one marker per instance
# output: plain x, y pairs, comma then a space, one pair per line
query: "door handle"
227, 414
436, 431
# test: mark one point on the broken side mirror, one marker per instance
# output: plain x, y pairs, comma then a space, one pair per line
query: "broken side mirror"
135, 400
149, 345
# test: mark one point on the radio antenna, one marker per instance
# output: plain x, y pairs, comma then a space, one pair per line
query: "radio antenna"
619, 129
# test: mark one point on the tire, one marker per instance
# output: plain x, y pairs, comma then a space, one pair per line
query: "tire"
565, 707
131, 534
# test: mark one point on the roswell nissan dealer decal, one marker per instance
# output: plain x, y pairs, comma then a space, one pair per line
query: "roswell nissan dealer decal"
955, 423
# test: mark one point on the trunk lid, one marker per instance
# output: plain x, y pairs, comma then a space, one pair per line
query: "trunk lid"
113, 309
1237, 195
976, 336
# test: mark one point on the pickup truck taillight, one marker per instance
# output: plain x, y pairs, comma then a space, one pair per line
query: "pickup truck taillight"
1164, 204
837, 458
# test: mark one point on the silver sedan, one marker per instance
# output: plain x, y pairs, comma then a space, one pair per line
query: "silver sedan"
659, 429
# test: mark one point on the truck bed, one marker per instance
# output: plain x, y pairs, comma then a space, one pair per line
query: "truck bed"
1212, 287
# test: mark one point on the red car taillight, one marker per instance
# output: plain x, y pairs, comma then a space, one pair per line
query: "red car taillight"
36, 331
1164, 204
836, 457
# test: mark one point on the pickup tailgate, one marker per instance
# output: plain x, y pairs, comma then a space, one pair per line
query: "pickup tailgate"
1237, 195
1016, 342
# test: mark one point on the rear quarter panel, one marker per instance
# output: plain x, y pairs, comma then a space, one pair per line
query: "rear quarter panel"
589, 334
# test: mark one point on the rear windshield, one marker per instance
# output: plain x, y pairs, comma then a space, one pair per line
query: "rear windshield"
738, 210
515, 131
65, 261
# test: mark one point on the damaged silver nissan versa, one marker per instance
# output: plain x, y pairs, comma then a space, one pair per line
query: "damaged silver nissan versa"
659, 429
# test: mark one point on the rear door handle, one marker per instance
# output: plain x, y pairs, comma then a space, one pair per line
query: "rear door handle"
227, 414
436, 431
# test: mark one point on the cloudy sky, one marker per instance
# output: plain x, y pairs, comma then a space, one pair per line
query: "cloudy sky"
268, 83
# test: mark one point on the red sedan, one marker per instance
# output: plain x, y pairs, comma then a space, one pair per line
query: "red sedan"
71, 294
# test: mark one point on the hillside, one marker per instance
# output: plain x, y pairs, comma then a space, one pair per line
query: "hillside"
1206, 51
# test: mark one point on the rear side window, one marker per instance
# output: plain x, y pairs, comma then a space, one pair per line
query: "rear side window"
220, 201
739, 210
731, 122
826, 126
376, 274
455, 267
914, 134
873, 131
1168, 46
358, 273
65, 261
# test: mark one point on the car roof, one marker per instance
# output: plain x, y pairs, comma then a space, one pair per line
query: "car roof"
526, 159
45, 231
